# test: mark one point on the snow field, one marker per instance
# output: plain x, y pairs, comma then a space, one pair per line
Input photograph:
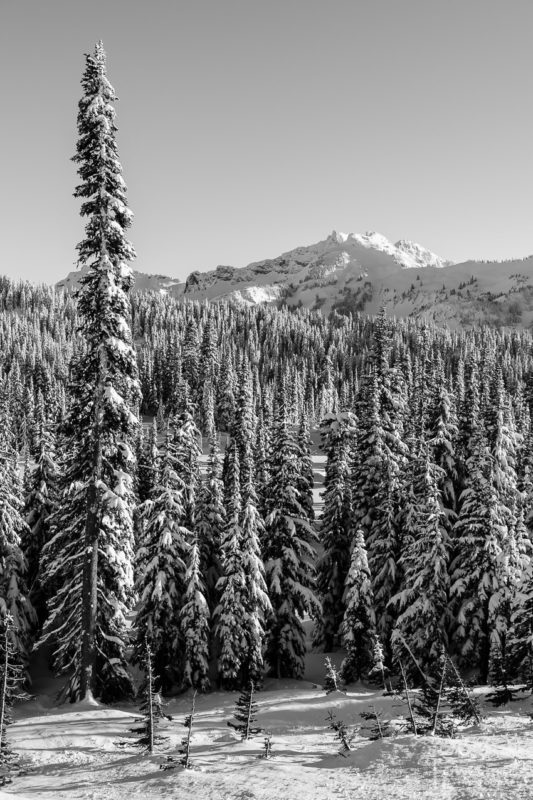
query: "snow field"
72, 752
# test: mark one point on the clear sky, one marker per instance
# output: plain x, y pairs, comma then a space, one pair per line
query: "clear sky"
249, 127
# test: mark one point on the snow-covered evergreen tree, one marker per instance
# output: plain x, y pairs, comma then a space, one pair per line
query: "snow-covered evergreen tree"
210, 522
101, 425
160, 565
288, 552
194, 622
257, 600
443, 435
476, 579
243, 603
334, 680
243, 427
14, 595
191, 356
39, 503
307, 479
147, 463
335, 532
379, 456
519, 643
359, 619
186, 443
422, 601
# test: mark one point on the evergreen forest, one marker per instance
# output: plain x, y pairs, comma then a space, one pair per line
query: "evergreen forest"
157, 483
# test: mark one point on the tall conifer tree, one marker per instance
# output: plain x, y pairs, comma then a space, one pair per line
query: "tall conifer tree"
101, 423
335, 529
288, 551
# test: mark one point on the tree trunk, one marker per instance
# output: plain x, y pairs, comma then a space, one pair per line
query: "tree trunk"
3, 689
150, 709
248, 722
89, 597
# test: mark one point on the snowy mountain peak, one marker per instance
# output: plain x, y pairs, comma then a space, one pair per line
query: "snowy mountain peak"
343, 268
375, 240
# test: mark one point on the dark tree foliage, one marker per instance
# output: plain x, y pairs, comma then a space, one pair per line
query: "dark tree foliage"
11, 691
246, 713
146, 734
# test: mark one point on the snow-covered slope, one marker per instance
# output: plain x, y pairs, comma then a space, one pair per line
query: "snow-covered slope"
143, 282
363, 272
334, 260
72, 751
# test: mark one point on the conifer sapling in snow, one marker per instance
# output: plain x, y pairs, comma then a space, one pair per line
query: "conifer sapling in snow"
333, 681
185, 748
434, 714
379, 670
245, 713
464, 705
380, 727
151, 707
342, 733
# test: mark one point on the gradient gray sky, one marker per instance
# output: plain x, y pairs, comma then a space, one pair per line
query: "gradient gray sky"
248, 127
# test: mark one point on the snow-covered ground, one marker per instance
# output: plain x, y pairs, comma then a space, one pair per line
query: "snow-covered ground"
71, 751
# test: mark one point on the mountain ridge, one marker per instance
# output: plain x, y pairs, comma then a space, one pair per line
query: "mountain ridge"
362, 273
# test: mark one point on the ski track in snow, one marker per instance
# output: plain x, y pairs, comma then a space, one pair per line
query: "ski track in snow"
71, 752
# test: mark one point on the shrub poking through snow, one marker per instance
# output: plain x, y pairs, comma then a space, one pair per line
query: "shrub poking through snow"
267, 746
333, 681
245, 713
11, 681
185, 749
342, 733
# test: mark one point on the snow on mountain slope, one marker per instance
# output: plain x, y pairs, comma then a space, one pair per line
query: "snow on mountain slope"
333, 261
143, 282
363, 272
408, 255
